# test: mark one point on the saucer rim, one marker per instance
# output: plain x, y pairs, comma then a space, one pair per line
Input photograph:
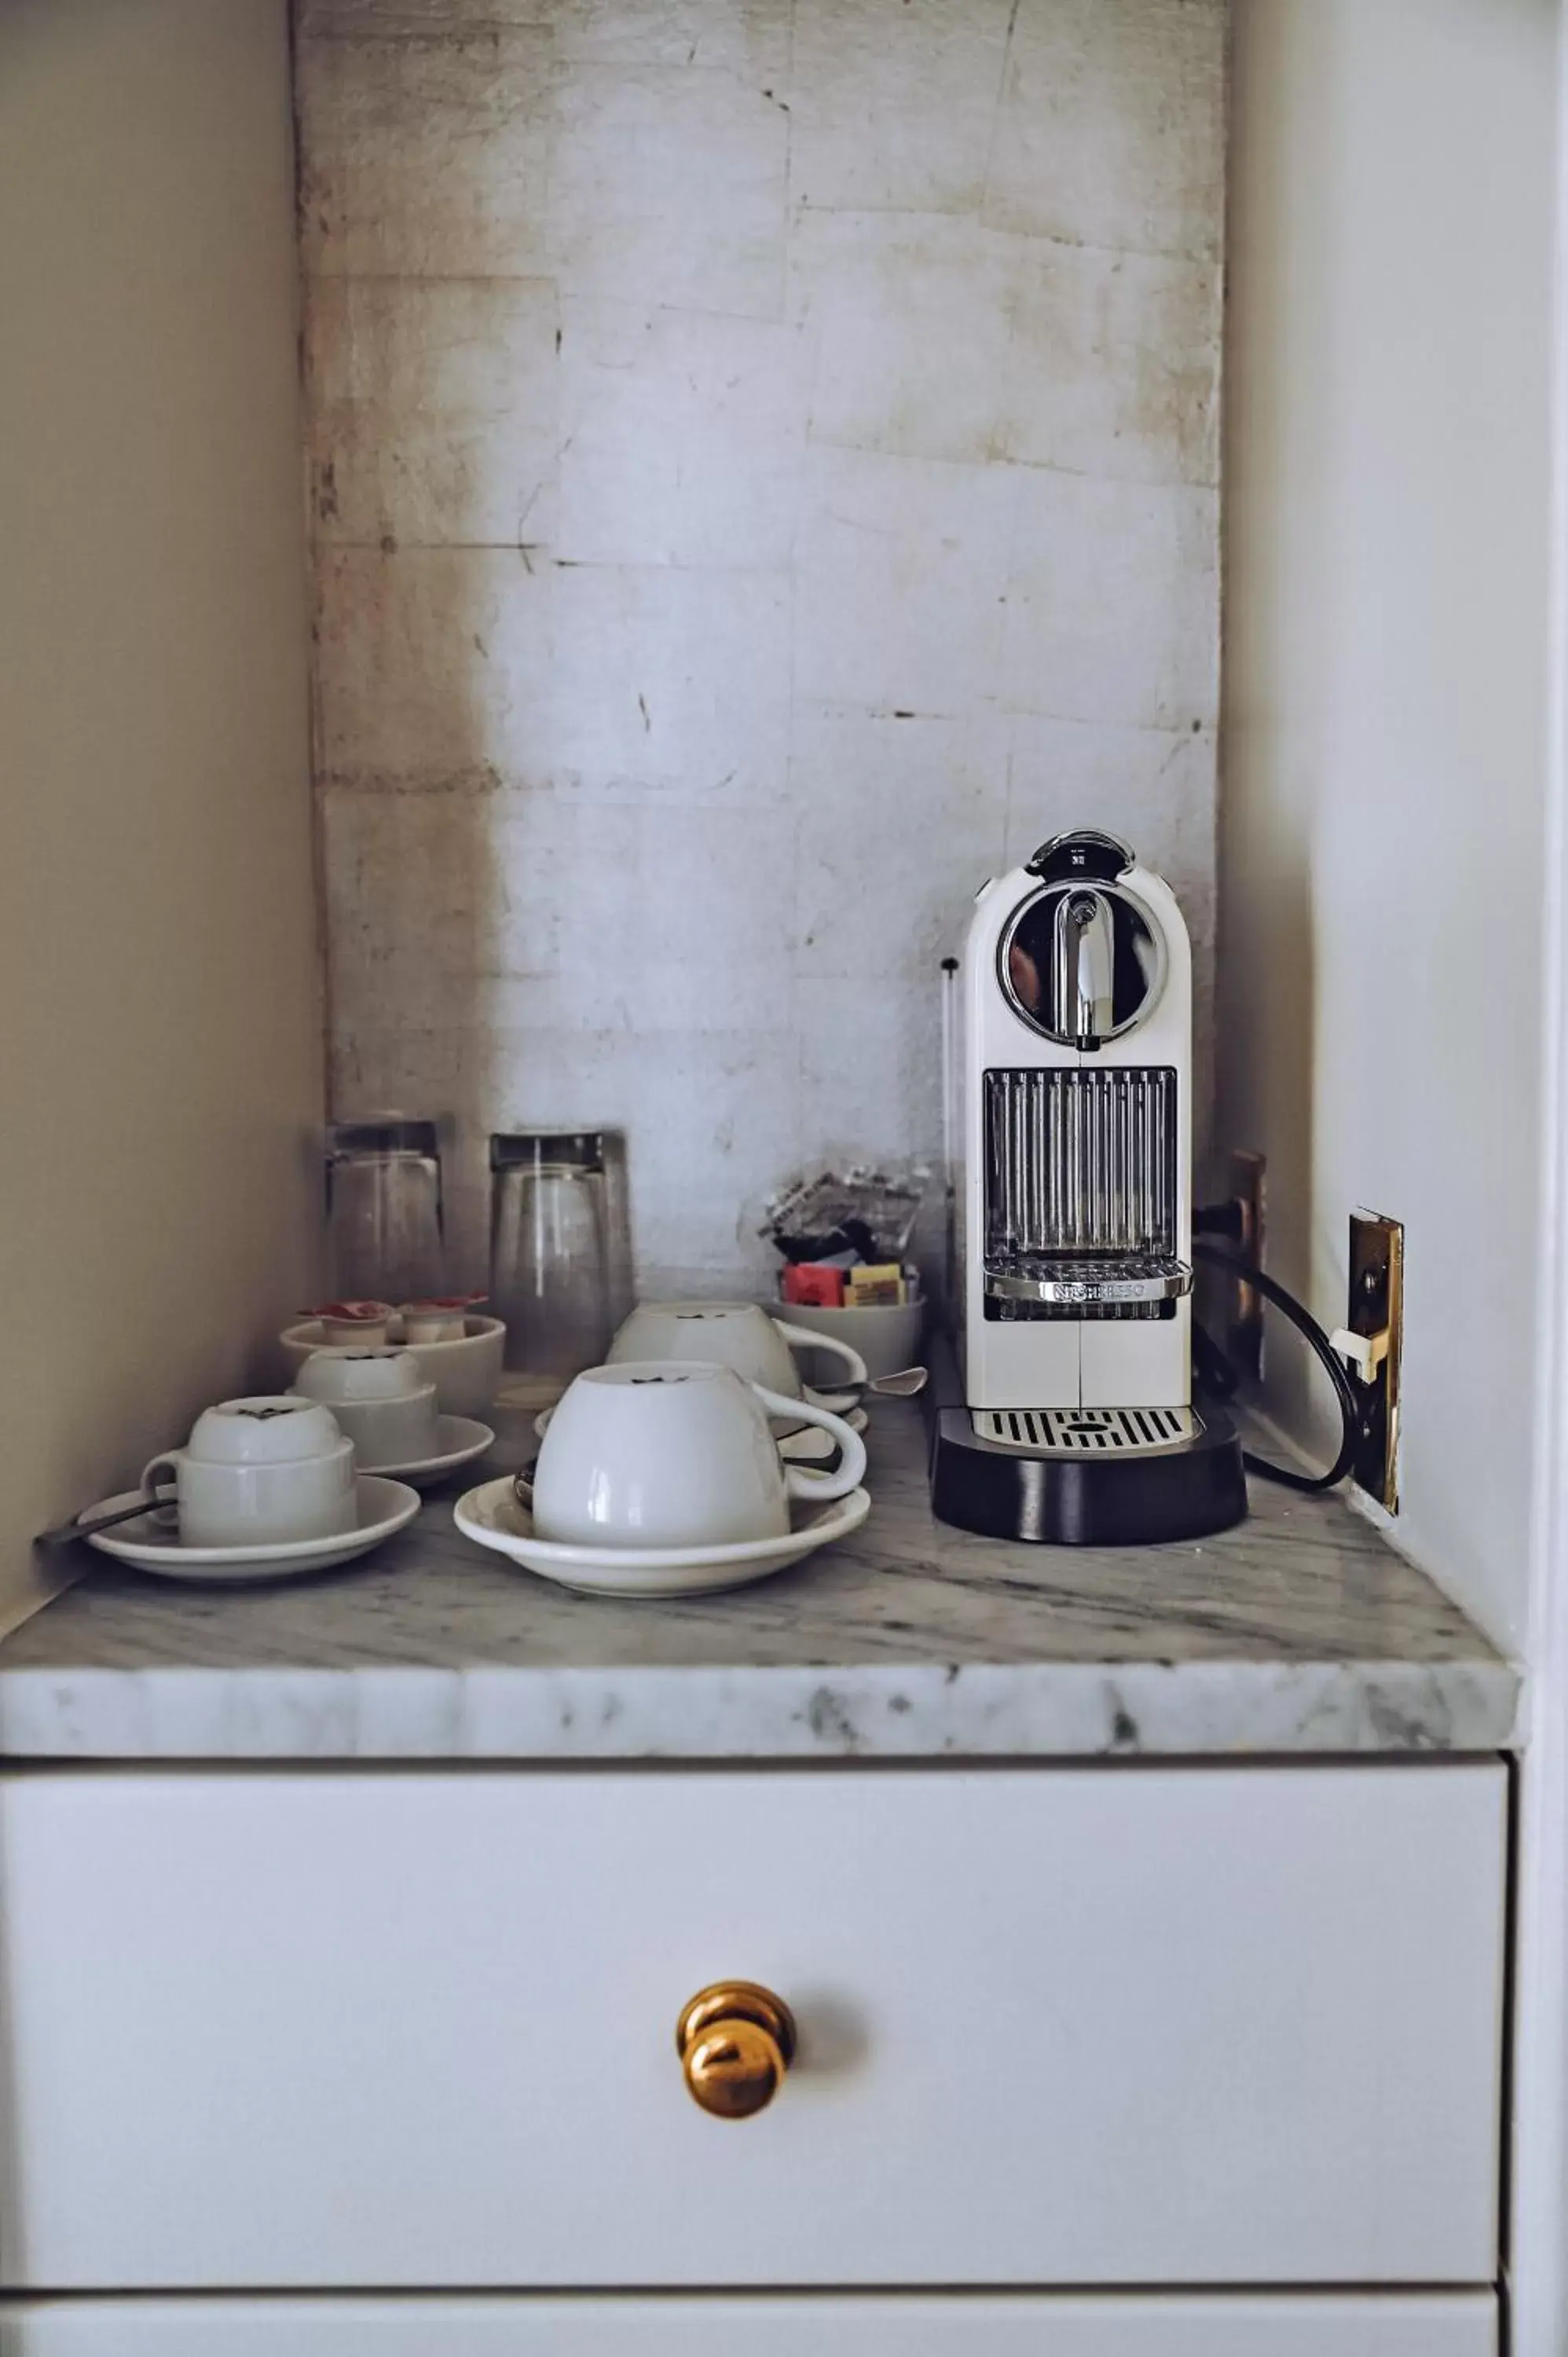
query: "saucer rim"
399, 1515
837, 1517
445, 1460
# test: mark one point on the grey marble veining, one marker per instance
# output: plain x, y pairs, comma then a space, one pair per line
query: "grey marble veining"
1301, 1632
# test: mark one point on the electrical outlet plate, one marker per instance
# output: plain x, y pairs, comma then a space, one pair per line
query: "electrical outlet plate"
1376, 1302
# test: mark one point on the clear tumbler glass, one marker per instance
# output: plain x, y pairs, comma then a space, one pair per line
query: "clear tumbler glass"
383, 1203
560, 1250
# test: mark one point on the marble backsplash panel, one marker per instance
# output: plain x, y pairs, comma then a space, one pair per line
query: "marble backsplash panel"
763, 474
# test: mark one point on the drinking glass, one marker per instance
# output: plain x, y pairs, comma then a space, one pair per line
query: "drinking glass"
560, 1250
383, 1203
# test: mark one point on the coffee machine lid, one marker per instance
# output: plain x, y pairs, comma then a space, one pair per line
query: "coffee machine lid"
1085, 852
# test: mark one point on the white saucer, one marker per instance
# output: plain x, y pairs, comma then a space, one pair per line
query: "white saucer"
460, 1439
808, 1446
154, 1546
493, 1515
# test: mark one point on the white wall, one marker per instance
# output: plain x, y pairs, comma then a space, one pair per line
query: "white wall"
1388, 471
160, 1044
765, 459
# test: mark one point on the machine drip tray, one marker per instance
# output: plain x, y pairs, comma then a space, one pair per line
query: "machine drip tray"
1086, 1476
1072, 1431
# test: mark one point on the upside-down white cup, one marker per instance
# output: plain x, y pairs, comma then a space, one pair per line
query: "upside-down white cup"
262, 1472
381, 1399
671, 1452
742, 1335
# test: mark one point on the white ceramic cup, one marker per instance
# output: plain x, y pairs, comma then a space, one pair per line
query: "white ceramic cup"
742, 1335
673, 1452
381, 1399
261, 1472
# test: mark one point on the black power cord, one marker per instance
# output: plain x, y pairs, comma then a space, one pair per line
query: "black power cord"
1220, 1376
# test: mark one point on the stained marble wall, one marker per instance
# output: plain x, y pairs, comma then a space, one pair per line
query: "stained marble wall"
763, 476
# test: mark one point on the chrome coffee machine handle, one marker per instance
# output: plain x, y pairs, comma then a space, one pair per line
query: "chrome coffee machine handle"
1084, 967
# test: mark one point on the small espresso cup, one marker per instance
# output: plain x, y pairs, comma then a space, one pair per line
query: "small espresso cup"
742, 1335
379, 1398
259, 1473
675, 1452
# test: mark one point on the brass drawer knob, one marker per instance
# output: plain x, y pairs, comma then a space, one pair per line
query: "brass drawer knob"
736, 2041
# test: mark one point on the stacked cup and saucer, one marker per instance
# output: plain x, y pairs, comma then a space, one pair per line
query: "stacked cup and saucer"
670, 1474
389, 1408
264, 1488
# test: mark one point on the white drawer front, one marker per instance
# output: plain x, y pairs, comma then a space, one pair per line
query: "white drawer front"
1096, 2027
1454, 2324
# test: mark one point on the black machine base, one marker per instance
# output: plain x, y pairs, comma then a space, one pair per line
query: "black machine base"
1118, 1498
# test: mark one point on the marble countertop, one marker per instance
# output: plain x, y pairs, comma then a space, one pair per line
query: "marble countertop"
1301, 1632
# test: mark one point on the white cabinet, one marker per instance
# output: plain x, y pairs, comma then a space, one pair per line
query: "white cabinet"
1241, 2325
1201, 2025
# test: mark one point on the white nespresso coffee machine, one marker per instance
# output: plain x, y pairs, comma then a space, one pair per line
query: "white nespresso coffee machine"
1071, 1315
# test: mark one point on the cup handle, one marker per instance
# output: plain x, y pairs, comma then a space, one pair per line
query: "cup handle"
806, 1337
798, 1480
169, 1462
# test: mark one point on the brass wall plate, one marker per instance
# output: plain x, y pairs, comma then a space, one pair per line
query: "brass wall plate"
1376, 1303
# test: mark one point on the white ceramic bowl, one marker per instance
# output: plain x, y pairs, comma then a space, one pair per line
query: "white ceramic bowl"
888, 1338
467, 1374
